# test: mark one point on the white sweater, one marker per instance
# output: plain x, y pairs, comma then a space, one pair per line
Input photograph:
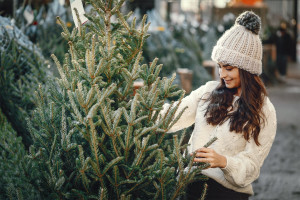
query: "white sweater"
244, 159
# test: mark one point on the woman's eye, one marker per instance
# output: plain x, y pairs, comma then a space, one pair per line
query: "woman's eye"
228, 69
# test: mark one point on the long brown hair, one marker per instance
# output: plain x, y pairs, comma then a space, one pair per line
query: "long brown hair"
248, 117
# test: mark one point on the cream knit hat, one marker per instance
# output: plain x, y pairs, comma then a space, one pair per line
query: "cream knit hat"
240, 46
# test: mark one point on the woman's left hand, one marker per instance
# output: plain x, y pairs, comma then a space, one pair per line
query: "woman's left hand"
208, 155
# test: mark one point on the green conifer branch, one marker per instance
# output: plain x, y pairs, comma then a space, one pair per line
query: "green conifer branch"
105, 113
88, 62
146, 130
73, 53
111, 164
73, 34
133, 24
73, 105
84, 167
66, 33
210, 142
140, 119
153, 66
178, 153
98, 4
61, 72
127, 75
123, 21
52, 147
96, 169
127, 140
103, 193
139, 182
79, 94
204, 192
133, 107
135, 70
93, 110
66, 66
93, 142
90, 96
143, 24
157, 71
100, 67
39, 104
116, 179
117, 118
177, 117
118, 6
149, 158
80, 29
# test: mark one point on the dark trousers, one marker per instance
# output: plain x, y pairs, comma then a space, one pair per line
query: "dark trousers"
282, 61
215, 191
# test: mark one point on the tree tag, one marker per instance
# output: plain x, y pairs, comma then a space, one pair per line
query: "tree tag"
28, 15
78, 5
62, 2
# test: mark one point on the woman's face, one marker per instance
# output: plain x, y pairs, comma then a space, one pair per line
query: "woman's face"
231, 77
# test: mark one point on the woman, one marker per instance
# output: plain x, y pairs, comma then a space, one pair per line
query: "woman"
236, 111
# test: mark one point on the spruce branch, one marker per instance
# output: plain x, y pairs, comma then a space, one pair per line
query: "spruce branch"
84, 167
100, 67
90, 97
74, 106
93, 142
66, 33
80, 29
204, 192
123, 21
73, 54
80, 94
210, 142
118, 6
102, 194
52, 147
61, 72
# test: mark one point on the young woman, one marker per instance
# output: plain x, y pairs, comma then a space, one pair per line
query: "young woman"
236, 110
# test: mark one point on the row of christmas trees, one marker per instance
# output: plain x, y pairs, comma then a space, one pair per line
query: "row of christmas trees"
89, 134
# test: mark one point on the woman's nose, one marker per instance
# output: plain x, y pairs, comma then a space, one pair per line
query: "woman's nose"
222, 73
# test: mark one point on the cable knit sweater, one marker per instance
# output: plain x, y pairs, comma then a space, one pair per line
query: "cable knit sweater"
244, 158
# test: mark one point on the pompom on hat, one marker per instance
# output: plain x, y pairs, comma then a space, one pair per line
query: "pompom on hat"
240, 46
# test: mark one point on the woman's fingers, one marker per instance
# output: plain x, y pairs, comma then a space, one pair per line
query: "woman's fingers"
208, 155
206, 150
205, 160
199, 155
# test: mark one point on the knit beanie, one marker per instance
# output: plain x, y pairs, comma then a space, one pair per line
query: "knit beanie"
240, 46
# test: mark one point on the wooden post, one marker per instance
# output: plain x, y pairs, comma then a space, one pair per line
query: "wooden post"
186, 77
137, 85
210, 66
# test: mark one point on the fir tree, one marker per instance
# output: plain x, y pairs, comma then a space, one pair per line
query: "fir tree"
94, 135
13, 180
22, 68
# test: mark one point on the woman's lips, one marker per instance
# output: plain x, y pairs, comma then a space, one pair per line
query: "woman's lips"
227, 81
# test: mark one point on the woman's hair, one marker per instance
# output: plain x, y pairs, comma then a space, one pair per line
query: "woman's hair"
248, 117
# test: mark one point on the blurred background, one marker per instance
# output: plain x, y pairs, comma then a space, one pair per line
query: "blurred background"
183, 33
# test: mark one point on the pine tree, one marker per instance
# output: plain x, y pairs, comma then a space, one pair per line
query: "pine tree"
22, 68
95, 137
13, 179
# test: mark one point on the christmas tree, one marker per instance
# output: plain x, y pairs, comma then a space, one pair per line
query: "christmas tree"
95, 135
22, 68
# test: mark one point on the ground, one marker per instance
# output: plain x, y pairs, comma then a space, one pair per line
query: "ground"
280, 174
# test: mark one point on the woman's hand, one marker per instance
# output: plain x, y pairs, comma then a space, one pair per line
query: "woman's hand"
208, 155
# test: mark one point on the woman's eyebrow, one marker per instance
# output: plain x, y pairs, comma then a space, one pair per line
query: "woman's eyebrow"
225, 65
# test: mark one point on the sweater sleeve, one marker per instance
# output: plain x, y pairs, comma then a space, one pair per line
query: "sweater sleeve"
244, 168
191, 102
